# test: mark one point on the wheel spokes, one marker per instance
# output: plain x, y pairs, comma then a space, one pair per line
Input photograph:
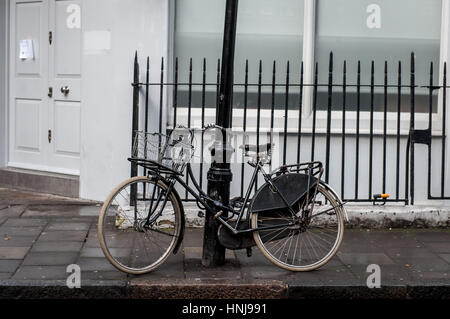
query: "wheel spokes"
124, 225
313, 240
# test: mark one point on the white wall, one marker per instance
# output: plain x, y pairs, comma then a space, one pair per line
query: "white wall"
3, 77
107, 93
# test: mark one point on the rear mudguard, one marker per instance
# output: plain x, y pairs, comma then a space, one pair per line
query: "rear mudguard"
183, 218
292, 186
337, 198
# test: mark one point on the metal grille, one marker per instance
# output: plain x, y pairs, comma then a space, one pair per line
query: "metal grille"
358, 101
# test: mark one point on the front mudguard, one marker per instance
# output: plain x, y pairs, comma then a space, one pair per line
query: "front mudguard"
183, 223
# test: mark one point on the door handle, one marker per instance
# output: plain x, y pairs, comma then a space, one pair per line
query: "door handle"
65, 90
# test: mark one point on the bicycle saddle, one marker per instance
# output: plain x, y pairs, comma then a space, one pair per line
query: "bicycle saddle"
255, 148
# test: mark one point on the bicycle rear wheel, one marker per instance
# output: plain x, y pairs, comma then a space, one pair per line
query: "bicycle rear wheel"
302, 247
139, 225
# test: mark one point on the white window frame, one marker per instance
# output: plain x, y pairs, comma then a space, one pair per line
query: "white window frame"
309, 42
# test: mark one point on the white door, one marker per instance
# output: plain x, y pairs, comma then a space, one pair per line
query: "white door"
45, 99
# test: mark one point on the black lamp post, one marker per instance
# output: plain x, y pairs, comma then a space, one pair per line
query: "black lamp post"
219, 175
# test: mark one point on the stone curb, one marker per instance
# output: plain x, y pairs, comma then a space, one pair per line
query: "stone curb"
188, 290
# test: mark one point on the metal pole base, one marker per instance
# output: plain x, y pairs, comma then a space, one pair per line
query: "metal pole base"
219, 189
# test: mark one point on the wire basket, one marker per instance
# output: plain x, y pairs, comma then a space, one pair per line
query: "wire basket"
160, 151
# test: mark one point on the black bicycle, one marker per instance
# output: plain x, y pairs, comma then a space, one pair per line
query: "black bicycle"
295, 219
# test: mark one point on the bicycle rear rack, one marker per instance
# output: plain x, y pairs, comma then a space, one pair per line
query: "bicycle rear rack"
311, 168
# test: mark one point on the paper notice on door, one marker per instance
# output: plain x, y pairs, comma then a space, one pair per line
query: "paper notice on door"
26, 50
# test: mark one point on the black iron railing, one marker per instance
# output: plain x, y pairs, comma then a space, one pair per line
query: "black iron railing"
362, 112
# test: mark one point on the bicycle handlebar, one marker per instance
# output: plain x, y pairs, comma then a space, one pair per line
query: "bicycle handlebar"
213, 126
208, 127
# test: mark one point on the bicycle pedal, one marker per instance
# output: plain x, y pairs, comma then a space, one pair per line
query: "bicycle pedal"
249, 252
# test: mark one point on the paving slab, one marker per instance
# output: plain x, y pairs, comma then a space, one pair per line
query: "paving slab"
424, 264
439, 247
63, 236
67, 226
193, 237
98, 252
25, 222
102, 275
15, 253
42, 273
432, 236
411, 252
365, 258
20, 231
95, 264
17, 241
173, 269
5, 276
92, 242
195, 270
57, 246
12, 211
50, 259
445, 257
9, 266
196, 253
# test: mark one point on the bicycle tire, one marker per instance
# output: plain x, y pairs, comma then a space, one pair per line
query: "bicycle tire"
289, 261
109, 229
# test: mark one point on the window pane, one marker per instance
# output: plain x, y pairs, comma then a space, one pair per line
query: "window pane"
267, 30
383, 30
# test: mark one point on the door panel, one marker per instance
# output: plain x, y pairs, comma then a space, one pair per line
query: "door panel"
29, 80
67, 129
67, 39
28, 125
29, 22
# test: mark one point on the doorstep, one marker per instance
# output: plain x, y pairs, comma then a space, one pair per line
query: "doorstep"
42, 182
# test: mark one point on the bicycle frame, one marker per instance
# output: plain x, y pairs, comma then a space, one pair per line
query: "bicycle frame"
202, 198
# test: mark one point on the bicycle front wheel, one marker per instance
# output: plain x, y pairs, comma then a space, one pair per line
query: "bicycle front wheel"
139, 225
303, 247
